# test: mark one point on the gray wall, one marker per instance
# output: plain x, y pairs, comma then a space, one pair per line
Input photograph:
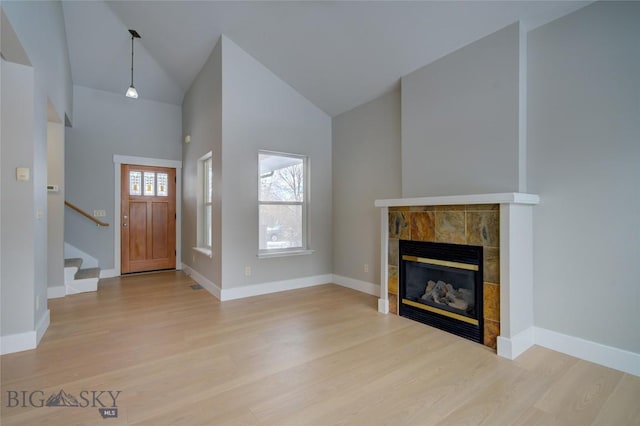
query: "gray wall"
584, 161
39, 29
106, 124
202, 120
460, 120
260, 111
55, 205
18, 207
366, 167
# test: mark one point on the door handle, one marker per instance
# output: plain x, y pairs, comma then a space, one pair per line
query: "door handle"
125, 225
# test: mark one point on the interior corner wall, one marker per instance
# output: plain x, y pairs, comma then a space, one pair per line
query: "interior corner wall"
366, 167
460, 120
260, 111
584, 162
108, 124
202, 121
40, 28
18, 206
55, 205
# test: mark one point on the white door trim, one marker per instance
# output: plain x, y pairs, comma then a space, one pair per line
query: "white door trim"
118, 160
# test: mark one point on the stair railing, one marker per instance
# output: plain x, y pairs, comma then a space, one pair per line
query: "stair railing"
85, 214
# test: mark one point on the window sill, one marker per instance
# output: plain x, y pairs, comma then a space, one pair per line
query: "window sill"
283, 253
203, 250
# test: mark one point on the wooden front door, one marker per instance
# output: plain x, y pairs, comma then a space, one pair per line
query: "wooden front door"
148, 218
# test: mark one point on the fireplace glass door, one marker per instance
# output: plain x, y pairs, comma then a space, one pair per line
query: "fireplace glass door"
445, 287
441, 285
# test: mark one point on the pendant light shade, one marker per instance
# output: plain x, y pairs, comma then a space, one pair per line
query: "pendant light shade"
131, 91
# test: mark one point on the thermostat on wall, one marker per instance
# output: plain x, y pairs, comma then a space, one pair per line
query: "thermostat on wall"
53, 188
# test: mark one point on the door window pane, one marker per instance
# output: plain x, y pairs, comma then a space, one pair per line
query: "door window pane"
135, 183
163, 178
149, 183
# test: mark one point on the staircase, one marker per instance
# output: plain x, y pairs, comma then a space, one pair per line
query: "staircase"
78, 280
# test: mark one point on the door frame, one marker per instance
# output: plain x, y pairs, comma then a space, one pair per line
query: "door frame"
118, 161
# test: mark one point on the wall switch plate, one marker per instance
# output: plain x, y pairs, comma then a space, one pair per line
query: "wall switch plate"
99, 213
22, 174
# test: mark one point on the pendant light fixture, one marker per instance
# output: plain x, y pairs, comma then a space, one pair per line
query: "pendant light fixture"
131, 91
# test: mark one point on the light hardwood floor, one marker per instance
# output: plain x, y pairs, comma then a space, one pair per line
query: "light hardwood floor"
315, 356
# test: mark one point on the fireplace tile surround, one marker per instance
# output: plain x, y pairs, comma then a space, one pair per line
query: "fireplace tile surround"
501, 224
472, 224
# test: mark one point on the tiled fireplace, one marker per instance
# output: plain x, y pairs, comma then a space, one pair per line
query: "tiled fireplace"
498, 223
473, 224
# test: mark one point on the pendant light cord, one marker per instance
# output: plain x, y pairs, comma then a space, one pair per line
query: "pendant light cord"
131, 91
132, 60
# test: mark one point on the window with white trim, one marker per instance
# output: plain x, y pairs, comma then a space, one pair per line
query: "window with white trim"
205, 197
282, 202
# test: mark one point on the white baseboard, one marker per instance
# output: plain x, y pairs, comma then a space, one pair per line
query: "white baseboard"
511, 348
25, 341
200, 279
358, 285
109, 273
17, 342
274, 286
56, 292
42, 326
608, 356
363, 287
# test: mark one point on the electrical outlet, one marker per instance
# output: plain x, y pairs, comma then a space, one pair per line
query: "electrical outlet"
247, 271
366, 267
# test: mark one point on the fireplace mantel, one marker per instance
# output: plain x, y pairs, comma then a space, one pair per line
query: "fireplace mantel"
500, 198
516, 260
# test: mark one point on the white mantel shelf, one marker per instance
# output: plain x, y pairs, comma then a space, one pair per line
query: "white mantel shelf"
500, 198
516, 260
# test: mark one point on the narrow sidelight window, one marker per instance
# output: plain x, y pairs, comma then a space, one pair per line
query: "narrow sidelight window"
205, 197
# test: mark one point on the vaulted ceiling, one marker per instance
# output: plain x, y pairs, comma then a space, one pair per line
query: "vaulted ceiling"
338, 54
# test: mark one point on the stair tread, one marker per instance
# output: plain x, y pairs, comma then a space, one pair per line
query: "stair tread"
73, 262
87, 273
